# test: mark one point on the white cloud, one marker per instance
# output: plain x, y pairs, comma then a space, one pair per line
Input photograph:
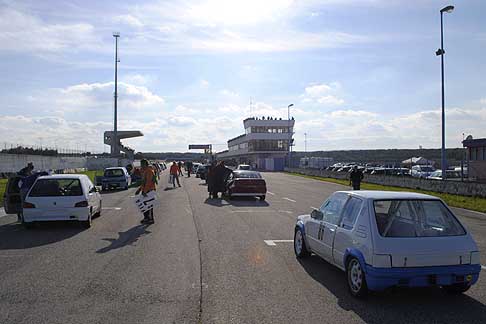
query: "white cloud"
324, 94
88, 96
129, 20
204, 84
229, 93
20, 32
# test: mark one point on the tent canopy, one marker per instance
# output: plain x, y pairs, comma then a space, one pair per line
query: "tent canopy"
418, 161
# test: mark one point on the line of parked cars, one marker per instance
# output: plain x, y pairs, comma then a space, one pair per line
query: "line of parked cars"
416, 171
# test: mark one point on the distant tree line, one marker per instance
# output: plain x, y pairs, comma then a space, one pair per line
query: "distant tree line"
40, 151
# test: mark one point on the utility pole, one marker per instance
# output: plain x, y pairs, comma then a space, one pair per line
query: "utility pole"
115, 149
440, 52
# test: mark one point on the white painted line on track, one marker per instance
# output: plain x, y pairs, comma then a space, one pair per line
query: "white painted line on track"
270, 193
285, 211
483, 267
274, 242
285, 198
312, 207
111, 208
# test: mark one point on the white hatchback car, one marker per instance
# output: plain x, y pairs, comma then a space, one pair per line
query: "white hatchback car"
384, 239
62, 197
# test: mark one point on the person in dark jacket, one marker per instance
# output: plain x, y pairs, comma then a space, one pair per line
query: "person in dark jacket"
220, 174
27, 171
210, 179
355, 178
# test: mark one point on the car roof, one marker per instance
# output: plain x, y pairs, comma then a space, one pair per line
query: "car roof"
384, 195
114, 168
63, 176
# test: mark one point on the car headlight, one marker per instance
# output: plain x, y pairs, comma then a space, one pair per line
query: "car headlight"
475, 257
381, 260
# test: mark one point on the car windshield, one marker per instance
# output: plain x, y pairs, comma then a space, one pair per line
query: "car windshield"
114, 173
415, 218
247, 175
56, 188
244, 167
426, 169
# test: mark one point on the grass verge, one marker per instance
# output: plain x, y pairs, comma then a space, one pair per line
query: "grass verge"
472, 203
3, 186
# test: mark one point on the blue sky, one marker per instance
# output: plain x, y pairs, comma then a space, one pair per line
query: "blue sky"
360, 73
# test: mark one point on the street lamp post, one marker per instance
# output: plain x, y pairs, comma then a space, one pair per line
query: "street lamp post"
115, 124
290, 134
440, 52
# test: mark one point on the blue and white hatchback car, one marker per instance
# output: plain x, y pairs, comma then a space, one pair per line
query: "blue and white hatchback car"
384, 239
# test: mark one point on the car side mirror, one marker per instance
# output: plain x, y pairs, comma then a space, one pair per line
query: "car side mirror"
317, 214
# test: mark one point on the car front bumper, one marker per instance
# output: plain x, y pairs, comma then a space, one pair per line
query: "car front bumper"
383, 278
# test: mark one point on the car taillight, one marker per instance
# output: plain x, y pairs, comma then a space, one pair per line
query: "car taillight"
28, 205
81, 204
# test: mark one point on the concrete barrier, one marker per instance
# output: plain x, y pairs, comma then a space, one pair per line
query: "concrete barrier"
451, 187
10, 163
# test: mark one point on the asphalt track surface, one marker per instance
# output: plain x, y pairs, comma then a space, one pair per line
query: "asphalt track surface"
203, 261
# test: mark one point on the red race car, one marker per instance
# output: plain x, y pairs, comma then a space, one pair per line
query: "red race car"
246, 183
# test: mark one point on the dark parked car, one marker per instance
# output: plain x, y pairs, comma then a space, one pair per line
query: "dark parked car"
116, 178
246, 183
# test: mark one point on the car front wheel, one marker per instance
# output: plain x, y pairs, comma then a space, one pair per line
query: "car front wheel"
300, 248
356, 278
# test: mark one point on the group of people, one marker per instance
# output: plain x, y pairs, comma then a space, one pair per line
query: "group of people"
216, 179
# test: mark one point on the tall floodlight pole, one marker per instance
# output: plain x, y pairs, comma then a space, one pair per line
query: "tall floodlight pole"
290, 135
115, 149
440, 52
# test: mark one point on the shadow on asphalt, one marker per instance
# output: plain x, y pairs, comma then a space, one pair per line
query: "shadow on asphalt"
110, 192
128, 237
15, 236
169, 188
237, 202
397, 305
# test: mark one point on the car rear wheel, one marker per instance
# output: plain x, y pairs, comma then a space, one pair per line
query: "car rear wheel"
356, 278
87, 223
262, 198
456, 289
27, 225
300, 248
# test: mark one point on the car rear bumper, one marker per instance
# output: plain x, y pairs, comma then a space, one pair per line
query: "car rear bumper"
248, 194
382, 278
39, 215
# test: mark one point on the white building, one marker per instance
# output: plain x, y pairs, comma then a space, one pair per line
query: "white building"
265, 144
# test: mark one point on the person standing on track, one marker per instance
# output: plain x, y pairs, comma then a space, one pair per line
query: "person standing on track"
148, 185
355, 178
180, 168
174, 173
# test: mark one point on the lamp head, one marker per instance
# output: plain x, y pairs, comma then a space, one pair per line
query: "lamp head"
290, 105
116, 34
447, 9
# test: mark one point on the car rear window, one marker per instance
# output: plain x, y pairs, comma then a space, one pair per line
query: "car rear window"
56, 188
415, 218
247, 175
114, 173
